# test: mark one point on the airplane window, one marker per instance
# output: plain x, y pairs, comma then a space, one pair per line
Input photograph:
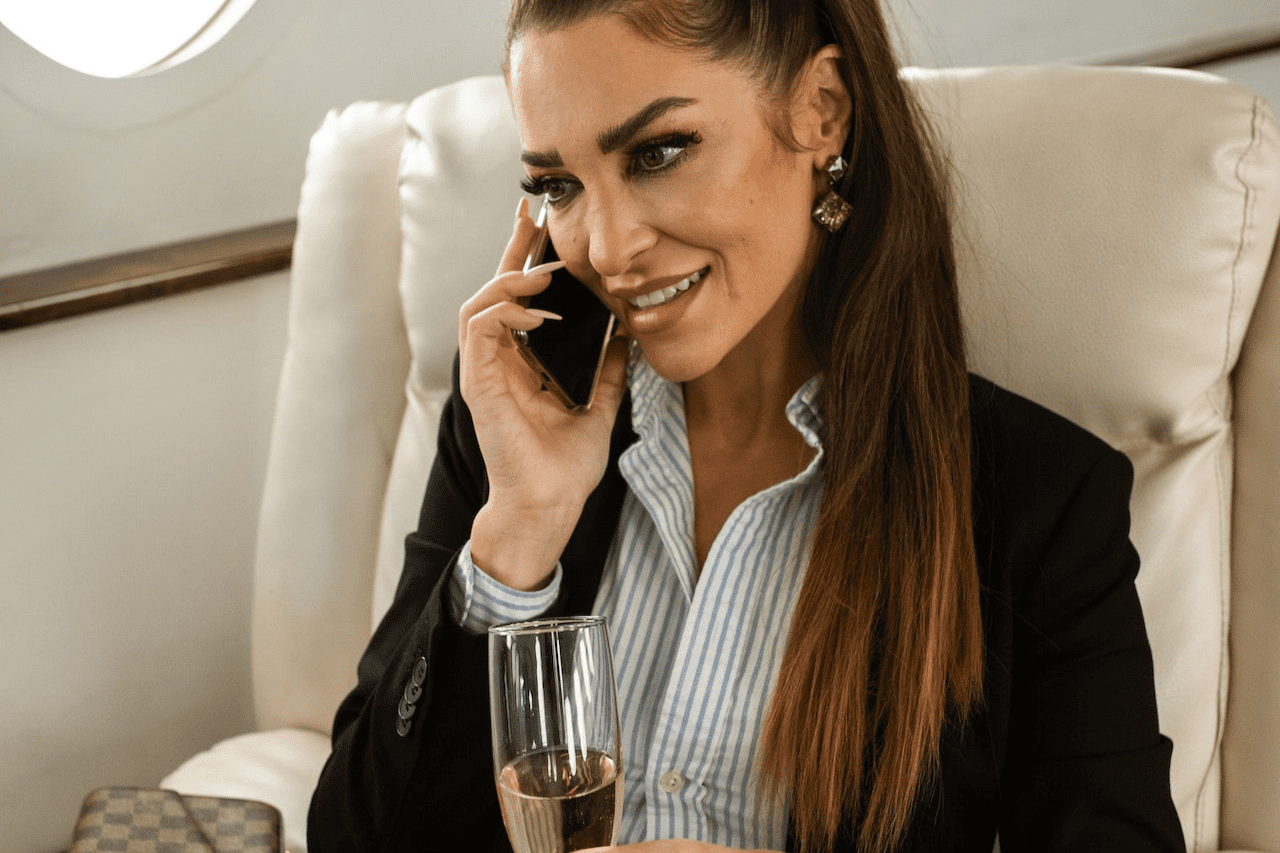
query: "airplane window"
119, 38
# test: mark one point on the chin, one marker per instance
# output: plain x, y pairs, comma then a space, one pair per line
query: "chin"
679, 366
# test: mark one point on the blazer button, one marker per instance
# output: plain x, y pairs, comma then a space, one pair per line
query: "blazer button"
407, 709
402, 727
420, 672
412, 693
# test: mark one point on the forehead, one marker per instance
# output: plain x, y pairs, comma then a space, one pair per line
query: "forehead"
578, 79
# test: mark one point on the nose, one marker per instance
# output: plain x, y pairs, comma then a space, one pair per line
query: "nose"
618, 234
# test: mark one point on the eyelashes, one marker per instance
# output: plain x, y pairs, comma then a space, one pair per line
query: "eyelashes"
671, 150
646, 159
540, 185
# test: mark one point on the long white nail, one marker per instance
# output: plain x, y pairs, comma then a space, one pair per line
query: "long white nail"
543, 269
546, 315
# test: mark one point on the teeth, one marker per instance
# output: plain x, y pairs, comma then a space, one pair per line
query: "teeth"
666, 294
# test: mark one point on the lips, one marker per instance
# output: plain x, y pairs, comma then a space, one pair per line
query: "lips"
666, 294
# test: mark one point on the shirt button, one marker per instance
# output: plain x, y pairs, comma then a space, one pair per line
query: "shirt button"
420, 672
671, 782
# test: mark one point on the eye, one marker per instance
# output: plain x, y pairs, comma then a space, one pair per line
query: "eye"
662, 154
657, 157
555, 189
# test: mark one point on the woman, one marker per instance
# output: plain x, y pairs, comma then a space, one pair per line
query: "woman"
860, 599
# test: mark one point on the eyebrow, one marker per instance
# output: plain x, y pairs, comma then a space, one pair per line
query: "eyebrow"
613, 138
542, 159
616, 137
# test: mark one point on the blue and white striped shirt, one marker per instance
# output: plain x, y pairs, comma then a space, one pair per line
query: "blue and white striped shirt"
696, 655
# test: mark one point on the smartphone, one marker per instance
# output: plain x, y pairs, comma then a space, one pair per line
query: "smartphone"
567, 353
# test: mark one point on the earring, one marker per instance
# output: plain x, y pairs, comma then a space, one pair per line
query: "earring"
831, 210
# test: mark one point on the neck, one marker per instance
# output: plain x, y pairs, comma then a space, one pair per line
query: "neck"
746, 394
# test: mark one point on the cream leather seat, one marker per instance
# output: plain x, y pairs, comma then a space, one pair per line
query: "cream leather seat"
1116, 231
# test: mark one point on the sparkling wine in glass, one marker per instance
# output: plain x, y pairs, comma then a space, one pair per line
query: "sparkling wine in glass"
556, 749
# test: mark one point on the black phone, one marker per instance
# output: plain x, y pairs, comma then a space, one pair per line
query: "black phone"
566, 353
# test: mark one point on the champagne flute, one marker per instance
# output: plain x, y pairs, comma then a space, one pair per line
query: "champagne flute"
557, 753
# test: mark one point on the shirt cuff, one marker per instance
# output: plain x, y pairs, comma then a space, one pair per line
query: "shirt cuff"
477, 602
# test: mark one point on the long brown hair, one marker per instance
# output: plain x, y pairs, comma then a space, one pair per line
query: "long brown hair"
886, 640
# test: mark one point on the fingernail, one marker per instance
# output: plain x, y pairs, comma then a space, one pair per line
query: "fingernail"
546, 315
522, 207
543, 269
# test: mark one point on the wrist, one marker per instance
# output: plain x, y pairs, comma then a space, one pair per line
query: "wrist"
520, 549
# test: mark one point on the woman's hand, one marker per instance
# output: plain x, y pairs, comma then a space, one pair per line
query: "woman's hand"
542, 460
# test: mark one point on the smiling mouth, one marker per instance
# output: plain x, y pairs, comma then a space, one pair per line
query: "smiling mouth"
666, 294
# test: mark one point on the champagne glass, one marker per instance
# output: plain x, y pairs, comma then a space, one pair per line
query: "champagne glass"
557, 754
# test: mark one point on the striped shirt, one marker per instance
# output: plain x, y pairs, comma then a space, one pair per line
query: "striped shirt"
696, 654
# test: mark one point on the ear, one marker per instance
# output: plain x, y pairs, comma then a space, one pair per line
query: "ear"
821, 106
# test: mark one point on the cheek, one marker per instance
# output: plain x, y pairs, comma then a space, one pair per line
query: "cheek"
773, 234
768, 191
771, 220
571, 245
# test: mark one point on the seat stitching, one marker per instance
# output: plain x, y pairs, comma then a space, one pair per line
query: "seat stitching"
1246, 224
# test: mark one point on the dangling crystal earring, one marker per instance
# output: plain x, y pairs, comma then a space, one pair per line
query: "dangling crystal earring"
831, 210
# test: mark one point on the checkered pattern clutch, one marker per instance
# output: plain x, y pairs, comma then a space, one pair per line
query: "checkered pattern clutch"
154, 820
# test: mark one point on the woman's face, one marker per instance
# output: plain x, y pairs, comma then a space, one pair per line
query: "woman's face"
670, 194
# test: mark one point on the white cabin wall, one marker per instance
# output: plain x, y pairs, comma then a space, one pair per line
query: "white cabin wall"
132, 449
943, 33
94, 167
133, 441
1009, 32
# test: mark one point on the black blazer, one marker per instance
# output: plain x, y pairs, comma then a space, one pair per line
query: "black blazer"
1065, 754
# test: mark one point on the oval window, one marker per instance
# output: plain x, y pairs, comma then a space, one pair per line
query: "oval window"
119, 38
